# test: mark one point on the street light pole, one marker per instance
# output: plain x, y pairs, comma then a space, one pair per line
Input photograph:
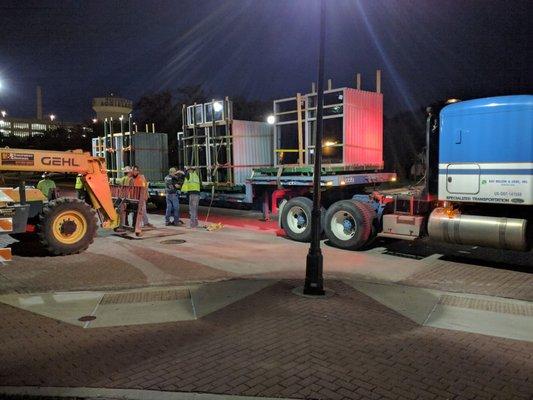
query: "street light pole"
314, 281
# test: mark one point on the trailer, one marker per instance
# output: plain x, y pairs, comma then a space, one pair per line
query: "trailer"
260, 165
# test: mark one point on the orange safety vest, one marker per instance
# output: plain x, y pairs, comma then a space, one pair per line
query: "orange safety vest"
139, 180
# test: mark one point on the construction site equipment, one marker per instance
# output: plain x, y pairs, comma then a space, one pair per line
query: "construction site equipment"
128, 198
63, 225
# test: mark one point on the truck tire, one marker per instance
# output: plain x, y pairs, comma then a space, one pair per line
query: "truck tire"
296, 219
67, 226
348, 224
372, 216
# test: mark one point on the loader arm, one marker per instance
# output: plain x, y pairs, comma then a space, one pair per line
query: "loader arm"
92, 169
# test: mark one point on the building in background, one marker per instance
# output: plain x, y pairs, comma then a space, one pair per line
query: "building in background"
30, 127
111, 107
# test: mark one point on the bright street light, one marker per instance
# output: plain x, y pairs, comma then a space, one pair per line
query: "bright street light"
4, 113
271, 120
52, 117
217, 106
121, 117
95, 120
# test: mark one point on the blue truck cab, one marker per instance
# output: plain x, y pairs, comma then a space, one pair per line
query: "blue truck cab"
486, 151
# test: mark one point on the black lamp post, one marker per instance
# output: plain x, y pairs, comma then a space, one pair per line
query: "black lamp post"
314, 281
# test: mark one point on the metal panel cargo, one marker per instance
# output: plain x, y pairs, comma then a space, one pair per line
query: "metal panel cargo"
223, 150
149, 152
353, 129
252, 148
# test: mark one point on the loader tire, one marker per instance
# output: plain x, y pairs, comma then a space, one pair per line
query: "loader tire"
67, 226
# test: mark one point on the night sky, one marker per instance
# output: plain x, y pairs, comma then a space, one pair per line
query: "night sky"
428, 49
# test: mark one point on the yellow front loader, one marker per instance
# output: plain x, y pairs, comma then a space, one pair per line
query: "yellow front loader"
64, 225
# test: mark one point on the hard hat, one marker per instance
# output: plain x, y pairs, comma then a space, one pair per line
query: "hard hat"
127, 168
172, 171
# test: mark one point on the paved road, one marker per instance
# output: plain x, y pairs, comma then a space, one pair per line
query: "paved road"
271, 343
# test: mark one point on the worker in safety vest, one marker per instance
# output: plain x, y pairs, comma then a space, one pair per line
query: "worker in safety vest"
192, 186
79, 187
138, 179
126, 180
46, 185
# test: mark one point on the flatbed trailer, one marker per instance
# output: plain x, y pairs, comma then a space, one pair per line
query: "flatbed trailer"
269, 188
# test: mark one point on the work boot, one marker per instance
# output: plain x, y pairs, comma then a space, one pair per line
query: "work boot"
168, 223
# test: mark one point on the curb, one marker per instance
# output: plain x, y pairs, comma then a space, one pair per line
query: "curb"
123, 394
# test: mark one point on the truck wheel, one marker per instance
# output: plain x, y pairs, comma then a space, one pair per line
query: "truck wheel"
67, 226
348, 224
372, 216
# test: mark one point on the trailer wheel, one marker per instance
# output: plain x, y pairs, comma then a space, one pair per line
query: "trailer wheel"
67, 226
372, 216
348, 224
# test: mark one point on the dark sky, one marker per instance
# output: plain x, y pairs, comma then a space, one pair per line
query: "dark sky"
428, 49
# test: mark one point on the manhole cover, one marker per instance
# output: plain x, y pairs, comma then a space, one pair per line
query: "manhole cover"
173, 241
86, 318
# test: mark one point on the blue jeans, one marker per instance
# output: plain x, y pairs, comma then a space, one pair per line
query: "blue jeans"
173, 207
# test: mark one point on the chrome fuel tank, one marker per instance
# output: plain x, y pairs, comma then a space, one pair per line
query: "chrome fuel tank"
501, 233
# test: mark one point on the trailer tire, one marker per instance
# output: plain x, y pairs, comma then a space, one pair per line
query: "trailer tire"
296, 219
67, 226
372, 216
348, 224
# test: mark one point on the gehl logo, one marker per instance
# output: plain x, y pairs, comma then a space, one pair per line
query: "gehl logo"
59, 161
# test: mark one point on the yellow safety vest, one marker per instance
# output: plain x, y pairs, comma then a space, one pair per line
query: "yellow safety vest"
192, 183
79, 183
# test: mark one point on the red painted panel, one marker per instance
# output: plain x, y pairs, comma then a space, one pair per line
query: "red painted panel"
363, 128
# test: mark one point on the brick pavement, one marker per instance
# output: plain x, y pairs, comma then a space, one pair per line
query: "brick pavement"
467, 278
90, 271
272, 343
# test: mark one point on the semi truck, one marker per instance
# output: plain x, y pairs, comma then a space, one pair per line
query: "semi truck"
478, 185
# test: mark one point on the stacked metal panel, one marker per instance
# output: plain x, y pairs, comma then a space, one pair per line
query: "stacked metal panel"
222, 149
252, 148
150, 153
353, 129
